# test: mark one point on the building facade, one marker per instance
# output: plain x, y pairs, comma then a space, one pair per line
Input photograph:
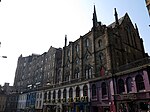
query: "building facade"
133, 86
2, 101
12, 102
89, 74
37, 70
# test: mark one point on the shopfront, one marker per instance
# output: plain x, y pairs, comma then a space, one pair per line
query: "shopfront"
76, 107
133, 102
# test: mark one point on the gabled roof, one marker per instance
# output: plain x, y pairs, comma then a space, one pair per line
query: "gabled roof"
120, 21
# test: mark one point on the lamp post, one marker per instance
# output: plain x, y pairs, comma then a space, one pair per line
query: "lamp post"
3, 56
0, 46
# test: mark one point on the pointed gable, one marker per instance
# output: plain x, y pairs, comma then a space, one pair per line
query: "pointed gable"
121, 20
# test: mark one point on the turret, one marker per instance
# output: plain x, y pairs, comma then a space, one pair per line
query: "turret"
116, 17
94, 19
65, 40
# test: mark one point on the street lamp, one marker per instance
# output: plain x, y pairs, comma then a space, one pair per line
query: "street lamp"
3, 56
0, 46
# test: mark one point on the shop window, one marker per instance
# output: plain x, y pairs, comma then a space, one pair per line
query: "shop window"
104, 89
129, 84
143, 106
94, 91
121, 87
65, 93
70, 93
139, 83
85, 90
77, 92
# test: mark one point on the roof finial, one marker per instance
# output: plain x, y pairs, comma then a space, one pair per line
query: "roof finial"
116, 17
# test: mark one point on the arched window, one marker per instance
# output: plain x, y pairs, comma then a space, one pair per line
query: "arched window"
99, 43
129, 84
94, 91
70, 93
77, 73
88, 72
101, 57
59, 94
68, 53
87, 42
77, 61
102, 71
49, 95
139, 82
121, 88
85, 90
45, 95
77, 92
65, 93
77, 48
104, 89
58, 77
54, 94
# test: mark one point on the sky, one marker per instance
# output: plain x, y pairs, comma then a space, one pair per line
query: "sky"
32, 26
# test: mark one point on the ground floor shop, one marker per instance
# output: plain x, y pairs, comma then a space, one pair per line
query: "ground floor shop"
76, 107
133, 103
52, 108
105, 106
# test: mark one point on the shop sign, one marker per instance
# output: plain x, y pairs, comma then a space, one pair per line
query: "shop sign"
126, 97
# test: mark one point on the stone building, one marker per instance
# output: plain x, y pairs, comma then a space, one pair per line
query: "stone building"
2, 100
83, 76
36, 71
12, 102
132, 86
52, 65
148, 5
27, 72
91, 62
102, 50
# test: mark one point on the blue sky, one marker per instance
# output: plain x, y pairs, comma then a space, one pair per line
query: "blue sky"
32, 26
